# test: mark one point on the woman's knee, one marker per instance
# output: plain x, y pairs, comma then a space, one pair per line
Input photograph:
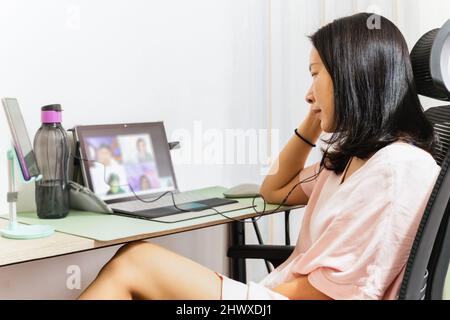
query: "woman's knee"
125, 249
137, 250
132, 256
131, 264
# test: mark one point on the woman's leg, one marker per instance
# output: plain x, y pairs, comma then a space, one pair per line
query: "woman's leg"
143, 270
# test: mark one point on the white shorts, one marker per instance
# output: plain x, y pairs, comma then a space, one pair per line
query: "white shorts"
235, 290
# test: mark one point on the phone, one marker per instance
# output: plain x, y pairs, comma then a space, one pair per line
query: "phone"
193, 206
21, 139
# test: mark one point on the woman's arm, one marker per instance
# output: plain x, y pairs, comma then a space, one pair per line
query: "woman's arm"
300, 289
284, 173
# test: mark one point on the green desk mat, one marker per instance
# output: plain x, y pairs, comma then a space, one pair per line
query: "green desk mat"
108, 227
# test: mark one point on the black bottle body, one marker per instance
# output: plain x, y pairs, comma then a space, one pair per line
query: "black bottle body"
52, 154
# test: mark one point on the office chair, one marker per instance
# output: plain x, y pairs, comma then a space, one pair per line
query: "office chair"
428, 262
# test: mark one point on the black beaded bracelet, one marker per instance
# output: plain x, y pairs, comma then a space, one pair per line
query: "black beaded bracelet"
306, 141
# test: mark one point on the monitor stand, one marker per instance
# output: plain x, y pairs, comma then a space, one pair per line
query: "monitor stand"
15, 230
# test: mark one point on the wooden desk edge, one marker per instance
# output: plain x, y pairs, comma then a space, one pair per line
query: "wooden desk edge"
66, 243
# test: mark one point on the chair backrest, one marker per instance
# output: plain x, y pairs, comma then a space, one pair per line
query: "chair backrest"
420, 280
440, 118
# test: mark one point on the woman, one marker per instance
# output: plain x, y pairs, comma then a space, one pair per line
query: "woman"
144, 183
364, 199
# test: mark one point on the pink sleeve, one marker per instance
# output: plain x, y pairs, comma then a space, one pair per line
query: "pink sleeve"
309, 175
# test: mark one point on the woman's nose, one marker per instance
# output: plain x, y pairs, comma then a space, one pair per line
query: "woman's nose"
310, 98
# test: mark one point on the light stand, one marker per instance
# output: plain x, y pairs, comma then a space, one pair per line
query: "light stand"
15, 230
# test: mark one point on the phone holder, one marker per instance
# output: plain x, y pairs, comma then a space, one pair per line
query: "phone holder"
15, 230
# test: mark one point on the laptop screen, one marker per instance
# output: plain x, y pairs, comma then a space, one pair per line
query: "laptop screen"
120, 159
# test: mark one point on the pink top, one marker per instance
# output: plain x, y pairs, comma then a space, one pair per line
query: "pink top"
356, 236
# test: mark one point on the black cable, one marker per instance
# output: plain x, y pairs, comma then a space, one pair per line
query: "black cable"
261, 214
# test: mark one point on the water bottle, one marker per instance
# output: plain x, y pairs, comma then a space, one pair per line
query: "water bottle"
52, 154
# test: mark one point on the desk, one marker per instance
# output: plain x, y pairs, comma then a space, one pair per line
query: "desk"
62, 243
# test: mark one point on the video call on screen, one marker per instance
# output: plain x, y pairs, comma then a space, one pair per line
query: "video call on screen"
123, 162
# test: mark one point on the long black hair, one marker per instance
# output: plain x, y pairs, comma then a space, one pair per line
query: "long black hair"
375, 98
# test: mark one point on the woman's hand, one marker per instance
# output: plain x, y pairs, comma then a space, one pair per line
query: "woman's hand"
311, 128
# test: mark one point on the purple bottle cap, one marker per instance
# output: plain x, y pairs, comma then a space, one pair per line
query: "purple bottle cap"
51, 114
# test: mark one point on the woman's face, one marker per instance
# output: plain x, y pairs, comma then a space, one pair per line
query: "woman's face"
145, 184
321, 95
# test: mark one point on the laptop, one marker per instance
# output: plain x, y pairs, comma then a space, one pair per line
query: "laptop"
128, 166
